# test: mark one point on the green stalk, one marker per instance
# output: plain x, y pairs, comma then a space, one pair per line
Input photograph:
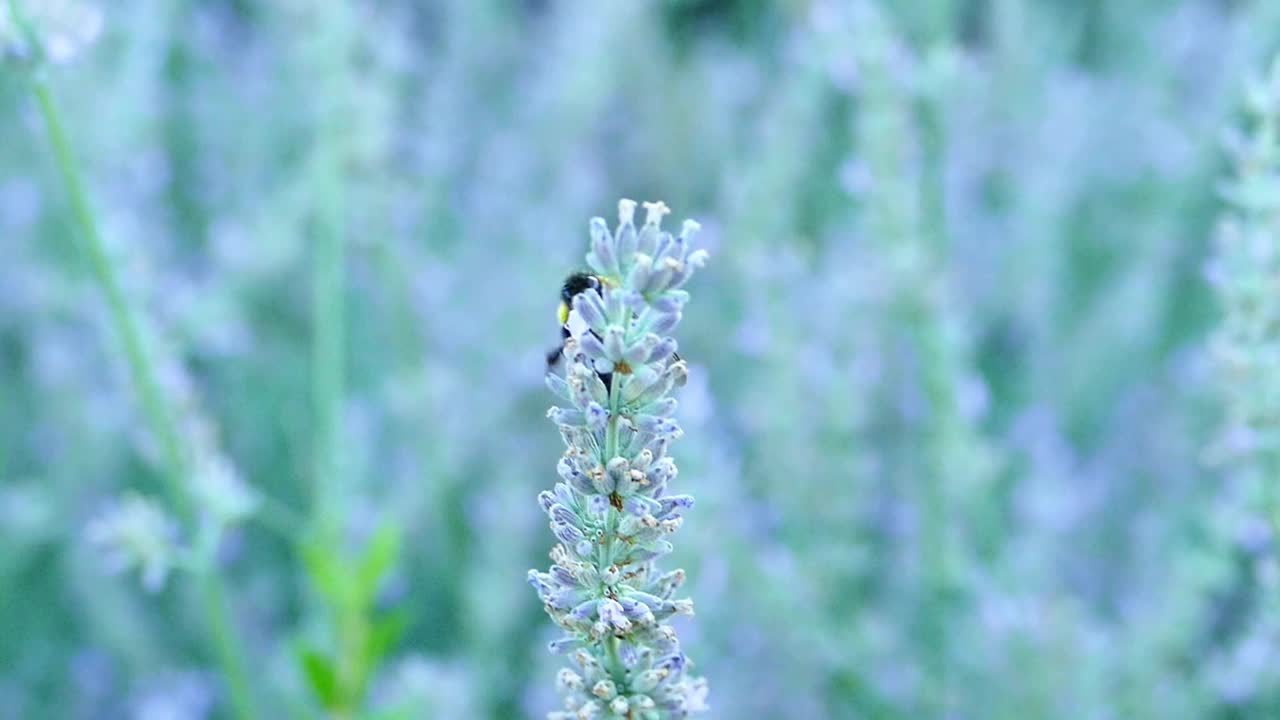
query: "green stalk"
613, 659
907, 214
141, 370
226, 643
327, 50
611, 429
159, 415
928, 114
937, 385
936, 369
327, 313
327, 279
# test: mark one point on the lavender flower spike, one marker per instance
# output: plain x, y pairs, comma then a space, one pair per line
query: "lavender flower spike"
612, 513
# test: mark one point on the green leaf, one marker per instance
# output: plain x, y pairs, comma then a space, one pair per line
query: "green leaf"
321, 676
384, 634
379, 556
325, 572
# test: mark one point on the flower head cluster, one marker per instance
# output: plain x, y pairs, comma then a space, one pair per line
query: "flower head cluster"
56, 30
1245, 271
136, 533
613, 510
221, 492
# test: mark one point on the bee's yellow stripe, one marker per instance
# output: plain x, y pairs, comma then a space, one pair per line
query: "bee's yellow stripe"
563, 313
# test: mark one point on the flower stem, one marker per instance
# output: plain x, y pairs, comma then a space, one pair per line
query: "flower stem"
327, 277
159, 415
126, 325
226, 643
612, 659
327, 340
615, 662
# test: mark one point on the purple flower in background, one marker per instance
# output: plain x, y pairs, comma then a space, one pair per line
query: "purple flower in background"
136, 533
56, 30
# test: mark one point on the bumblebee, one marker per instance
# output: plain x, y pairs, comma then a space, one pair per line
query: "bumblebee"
574, 285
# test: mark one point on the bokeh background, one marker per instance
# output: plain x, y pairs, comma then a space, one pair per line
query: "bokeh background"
954, 422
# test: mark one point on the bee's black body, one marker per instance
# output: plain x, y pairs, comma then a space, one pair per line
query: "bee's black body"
574, 285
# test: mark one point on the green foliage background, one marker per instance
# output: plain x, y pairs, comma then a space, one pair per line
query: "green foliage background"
952, 412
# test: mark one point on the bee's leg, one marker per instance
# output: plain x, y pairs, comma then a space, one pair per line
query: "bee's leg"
554, 356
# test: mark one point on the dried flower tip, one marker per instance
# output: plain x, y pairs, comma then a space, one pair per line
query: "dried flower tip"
627, 211
605, 690
567, 680
649, 679
654, 212
611, 575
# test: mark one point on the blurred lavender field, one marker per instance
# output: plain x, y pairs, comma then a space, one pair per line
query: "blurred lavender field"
982, 409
